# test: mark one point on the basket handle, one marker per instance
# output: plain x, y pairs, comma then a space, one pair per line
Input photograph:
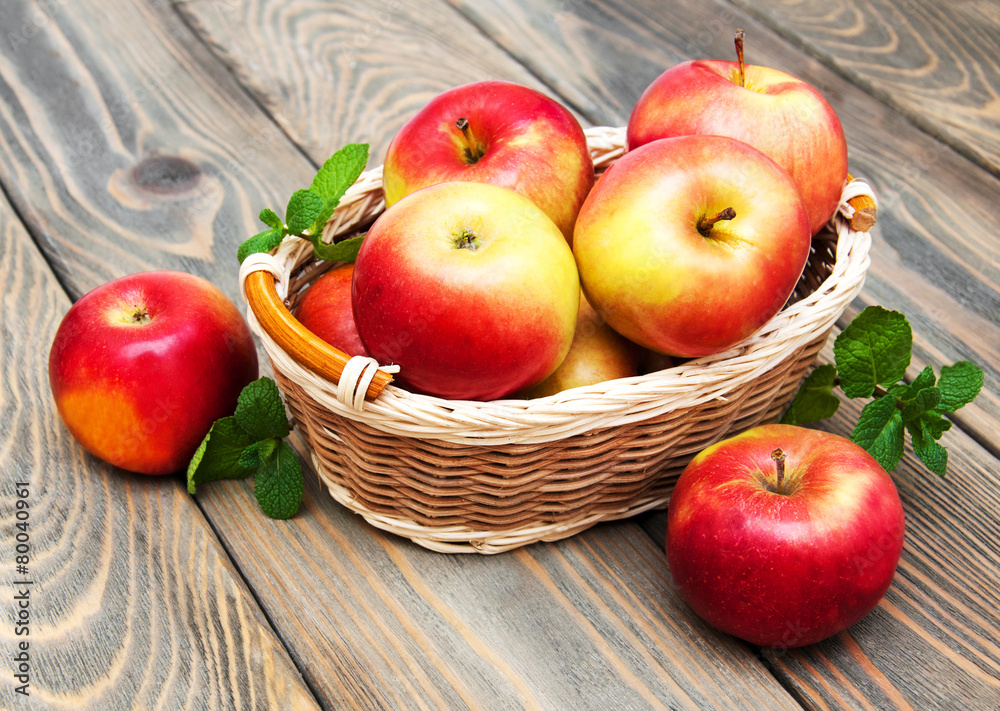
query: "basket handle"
301, 344
865, 210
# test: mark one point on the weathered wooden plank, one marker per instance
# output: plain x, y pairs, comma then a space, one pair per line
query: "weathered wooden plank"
133, 603
933, 642
336, 72
934, 62
934, 256
372, 621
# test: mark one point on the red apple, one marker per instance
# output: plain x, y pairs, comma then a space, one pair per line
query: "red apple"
598, 353
142, 366
776, 113
784, 559
688, 245
326, 310
495, 132
469, 288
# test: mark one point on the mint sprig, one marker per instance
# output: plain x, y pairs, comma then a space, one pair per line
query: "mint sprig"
251, 443
308, 210
871, 356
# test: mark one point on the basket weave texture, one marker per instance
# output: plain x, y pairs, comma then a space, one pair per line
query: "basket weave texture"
462, 476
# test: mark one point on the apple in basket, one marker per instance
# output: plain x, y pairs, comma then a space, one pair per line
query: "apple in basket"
689, 245
326, 310
470, 288
143, 365
776, 113
495, 132
784, 536
598, 353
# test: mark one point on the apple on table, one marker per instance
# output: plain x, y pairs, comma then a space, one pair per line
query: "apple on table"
495, 132
142, 366
783, 535
689, 245
778, 114
470, 288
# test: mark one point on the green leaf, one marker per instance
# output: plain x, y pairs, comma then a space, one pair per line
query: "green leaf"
261, 242
338, 173
260, 411
815, 399
218, 456
257, 452
931, 453
959, 384
270, 218
880, 431
303, 208
345, 251
907, 393
279, 483
873, 350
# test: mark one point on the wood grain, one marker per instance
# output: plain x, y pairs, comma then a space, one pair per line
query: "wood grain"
373, 621
933, 641
934, 256
936, 63
134, 604
333, 72
590, 623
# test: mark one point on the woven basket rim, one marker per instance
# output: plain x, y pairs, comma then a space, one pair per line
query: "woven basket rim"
615, 402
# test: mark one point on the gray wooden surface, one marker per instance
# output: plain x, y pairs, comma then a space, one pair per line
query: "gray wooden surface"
142, 134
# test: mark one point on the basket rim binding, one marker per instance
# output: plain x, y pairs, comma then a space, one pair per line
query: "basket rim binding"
617, 402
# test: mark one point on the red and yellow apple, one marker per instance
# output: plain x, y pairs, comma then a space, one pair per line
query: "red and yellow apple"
495, 132
326, 310
468, 287
142, 366
598, 353
784, 536
778, 114
690, 244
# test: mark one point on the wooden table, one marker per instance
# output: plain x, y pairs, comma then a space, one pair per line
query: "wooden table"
146, 597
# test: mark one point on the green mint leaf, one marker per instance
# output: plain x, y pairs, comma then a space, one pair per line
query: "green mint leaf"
925, 401
260, 411
907, 393
959, 384
880, 431
303, 208
271, 219
934, 424
345, 251
338, 173
252, 457
279, 483
873, 350
931, 453
815, 399
261, 242
218, 456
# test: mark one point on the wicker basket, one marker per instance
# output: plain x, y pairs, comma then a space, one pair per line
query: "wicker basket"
461, 476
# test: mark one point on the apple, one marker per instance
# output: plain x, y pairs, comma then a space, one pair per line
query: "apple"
776, 113
689, 245
468, 287
598, 353
783, 536
326, 310
495, 132
142, 366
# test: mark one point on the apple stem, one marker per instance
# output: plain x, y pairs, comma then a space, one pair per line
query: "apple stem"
473, 151
778, 456
739, 56
706, 223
